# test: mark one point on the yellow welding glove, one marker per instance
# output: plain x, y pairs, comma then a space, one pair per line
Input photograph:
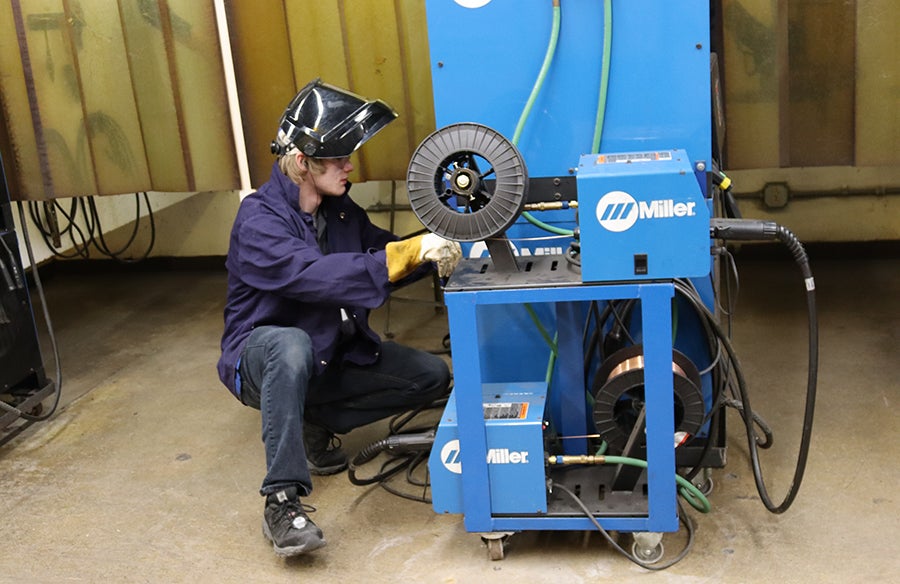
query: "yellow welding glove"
404, 256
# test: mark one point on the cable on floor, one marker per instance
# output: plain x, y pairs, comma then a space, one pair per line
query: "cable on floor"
682, 516
406, 448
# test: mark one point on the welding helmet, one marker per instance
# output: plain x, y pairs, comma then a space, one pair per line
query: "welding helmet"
323, 121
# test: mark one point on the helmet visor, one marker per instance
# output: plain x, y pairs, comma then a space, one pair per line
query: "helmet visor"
324, 121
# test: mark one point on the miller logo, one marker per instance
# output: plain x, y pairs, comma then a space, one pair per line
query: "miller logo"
451, 461
617, 211
450, 457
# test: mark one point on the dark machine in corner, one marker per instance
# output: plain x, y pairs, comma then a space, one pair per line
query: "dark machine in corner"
23, 382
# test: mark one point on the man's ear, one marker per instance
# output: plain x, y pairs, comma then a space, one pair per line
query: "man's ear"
301, 160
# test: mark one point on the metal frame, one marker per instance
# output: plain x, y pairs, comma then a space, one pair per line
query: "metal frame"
566, 398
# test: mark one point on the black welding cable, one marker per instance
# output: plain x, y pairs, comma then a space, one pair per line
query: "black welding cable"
730, 298
768, 230
92, 234
573, 254
116, 255
625, 307
388, 469
757, 419
79, 249
718, 368
403, 447
720, 400
425, 484
398, 424
682, 515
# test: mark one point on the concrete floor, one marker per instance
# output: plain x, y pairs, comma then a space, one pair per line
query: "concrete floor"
149, 471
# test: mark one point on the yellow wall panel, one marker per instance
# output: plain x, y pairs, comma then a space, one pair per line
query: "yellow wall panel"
104, 98
878, 83
316, 37
415, 54
109, 107
203, 97
262, 60
58, 98
376, 48
153, 89
17, 142
751, 83
376, 69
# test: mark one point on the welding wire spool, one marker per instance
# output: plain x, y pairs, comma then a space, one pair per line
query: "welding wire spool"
619, 395
467, 182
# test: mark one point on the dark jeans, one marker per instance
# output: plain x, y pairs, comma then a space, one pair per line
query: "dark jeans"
277, 378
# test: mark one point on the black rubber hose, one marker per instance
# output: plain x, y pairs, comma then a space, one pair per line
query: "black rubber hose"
403, 448
682, 516
368, 454
793, 244
769, 437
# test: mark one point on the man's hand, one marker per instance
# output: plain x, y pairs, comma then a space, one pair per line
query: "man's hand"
406, 255
445, 253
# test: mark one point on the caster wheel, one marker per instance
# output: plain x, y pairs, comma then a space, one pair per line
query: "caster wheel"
495, 544
495, 549
706, 487
648, 555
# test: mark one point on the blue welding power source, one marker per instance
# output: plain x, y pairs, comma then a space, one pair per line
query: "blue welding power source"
514, 414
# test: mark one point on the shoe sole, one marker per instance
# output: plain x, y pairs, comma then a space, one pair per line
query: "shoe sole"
326, 470
296, 550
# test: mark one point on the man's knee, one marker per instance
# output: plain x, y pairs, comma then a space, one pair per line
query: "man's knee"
283, 351
293, 345
435, 378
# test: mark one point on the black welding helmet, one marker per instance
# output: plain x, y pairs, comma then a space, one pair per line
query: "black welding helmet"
324, 121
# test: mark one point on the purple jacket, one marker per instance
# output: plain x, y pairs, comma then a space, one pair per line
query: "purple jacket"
277, 275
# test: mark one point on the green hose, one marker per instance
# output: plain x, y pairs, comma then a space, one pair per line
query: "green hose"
535, 91
551, 363
551, 342
548, 58
601, 106
546, 226
691, 494
604, 74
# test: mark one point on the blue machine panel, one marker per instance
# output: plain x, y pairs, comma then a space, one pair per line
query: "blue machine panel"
642, 217
485, 61
513, 423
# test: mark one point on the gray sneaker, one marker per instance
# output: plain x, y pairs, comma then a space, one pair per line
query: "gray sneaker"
287, 525
323, 450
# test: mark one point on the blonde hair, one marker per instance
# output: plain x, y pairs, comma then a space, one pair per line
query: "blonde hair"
289, 165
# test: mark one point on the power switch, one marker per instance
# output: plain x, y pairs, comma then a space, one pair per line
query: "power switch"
640, 264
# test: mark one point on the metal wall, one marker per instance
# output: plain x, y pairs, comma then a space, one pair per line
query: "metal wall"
113, 97
131, 96
811, 95
377, 48
812, 103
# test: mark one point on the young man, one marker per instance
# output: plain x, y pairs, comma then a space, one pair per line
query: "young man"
305, 266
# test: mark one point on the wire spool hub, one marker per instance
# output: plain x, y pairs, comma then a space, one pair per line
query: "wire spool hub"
619, 395
467, 182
